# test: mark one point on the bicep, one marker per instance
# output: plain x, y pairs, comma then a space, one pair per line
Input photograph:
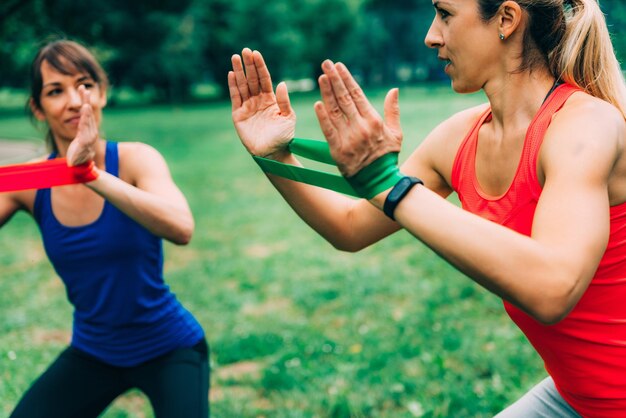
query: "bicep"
148, 171
573, 221
573, 213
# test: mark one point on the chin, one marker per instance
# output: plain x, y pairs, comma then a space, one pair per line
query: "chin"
463, 88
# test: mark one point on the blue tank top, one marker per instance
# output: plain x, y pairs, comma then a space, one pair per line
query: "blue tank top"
124, 313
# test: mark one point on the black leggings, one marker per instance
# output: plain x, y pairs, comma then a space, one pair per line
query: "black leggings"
77, 385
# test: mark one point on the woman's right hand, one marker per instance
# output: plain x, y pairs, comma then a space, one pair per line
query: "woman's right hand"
265, 122
83, 147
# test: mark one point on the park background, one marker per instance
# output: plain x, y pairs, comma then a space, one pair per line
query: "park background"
296, 328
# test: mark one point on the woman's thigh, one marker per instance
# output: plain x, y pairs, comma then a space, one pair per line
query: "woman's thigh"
74, 386
177, 383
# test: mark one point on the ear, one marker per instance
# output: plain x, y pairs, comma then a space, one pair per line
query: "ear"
509, 18
39, 115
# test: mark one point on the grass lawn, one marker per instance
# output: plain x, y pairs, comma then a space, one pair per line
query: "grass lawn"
296, 328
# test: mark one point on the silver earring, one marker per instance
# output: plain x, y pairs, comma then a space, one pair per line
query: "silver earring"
502, 37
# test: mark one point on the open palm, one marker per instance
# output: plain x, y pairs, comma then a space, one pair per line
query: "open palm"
265, 122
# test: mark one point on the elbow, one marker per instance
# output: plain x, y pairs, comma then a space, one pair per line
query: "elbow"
550, 317
182, 239
183, 233
347, 245
555, 303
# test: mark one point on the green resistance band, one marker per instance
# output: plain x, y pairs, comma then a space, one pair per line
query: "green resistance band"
373, 179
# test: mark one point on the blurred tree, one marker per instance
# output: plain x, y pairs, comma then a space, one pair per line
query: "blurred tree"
142, 43
294, 35
20, 25
615, 11
168, 45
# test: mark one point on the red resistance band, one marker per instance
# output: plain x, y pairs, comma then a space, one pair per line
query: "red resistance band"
45, 174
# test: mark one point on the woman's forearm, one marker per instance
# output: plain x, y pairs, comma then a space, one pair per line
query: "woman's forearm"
170, 219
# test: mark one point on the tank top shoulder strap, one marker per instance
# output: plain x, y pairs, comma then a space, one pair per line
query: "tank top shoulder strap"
111, 159
463, 166
467, 147
538, 127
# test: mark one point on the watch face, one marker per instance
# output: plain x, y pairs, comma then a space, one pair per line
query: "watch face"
397, 193
400, 188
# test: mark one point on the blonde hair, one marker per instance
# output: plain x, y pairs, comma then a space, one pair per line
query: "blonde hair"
570, 37
586, 56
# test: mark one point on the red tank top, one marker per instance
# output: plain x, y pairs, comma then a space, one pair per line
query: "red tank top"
585, 353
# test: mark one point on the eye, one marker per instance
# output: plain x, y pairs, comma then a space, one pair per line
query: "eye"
442, 13
54, 92
88, 85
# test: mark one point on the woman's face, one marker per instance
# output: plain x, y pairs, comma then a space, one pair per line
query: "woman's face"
61, 101
468, 45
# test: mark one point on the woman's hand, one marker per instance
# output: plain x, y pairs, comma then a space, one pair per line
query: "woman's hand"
83, 146
355, 132
264, 122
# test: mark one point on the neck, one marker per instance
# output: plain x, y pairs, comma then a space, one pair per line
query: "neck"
516, 98
62, 147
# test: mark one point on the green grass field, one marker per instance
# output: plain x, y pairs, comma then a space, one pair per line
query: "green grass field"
297, 329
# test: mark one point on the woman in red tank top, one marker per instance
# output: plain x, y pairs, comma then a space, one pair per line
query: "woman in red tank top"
540, 171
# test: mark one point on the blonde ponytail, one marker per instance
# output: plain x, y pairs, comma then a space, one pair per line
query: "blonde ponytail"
586, 57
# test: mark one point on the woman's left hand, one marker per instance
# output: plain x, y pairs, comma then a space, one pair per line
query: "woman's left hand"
356, 133
83, 146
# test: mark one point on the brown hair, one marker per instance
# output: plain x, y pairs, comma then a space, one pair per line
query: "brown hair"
67, 57
571, 38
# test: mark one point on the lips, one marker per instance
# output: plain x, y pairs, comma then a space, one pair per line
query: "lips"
446, 61
73, 120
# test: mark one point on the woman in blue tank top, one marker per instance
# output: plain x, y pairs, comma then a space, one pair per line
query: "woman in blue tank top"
104, 239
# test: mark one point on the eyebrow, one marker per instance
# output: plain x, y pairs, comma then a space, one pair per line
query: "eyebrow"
56, 83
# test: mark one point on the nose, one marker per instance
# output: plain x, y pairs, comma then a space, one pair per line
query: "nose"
74, 99
433, 36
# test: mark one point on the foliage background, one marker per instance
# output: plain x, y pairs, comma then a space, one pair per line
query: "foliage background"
168, 48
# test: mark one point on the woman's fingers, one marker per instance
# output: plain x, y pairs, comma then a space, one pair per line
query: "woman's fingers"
233, 90
263, 73
327, 126
335, 114
392, 111
356, 133
87, 122
85, 95
251, 71
240, 77
341, 93
357, 96
249, 77
282, 99
82, 147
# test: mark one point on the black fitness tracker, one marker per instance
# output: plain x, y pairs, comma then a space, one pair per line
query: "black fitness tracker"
397, 193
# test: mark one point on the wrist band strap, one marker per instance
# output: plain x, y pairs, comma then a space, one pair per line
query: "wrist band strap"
45, 174
367, 183
313, 150
380, 175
